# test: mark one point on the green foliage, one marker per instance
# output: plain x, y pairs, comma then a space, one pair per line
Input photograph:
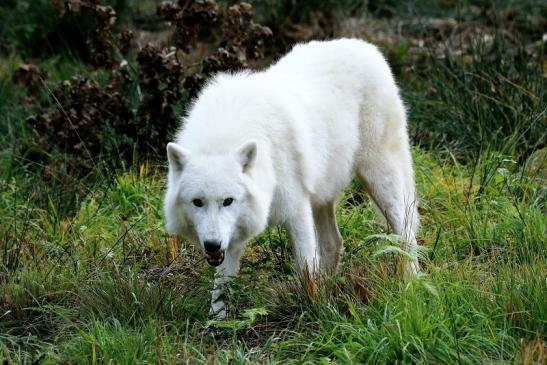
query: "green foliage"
34, 28
97, 285
249, 318
490, 100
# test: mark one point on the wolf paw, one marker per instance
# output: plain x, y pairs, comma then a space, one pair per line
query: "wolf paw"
411, 270
218, 310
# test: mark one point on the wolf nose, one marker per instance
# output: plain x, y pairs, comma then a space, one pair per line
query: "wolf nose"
211, 246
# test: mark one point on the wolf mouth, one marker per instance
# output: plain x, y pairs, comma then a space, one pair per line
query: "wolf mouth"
215, 259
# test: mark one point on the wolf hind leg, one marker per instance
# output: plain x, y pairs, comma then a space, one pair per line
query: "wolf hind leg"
389, 180
328, 235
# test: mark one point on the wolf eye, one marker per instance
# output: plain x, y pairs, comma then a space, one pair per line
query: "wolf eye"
227, 202
198, 203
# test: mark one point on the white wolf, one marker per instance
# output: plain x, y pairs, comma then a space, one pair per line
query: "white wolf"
279, 145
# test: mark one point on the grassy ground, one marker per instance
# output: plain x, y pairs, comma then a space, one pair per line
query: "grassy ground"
86, 275
99, 286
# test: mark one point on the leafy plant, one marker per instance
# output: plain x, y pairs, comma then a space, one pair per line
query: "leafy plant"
249, 315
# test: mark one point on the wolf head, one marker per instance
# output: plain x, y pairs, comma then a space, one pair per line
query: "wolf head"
209, 198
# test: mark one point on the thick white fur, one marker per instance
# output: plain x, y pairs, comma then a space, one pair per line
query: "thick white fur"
283, 143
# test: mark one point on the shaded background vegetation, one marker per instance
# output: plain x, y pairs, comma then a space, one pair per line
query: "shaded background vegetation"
90, 93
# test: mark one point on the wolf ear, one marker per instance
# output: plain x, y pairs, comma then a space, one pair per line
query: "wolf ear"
246, 155
177, 156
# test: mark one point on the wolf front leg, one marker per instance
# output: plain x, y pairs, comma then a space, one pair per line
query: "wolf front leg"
226, 270
301, 230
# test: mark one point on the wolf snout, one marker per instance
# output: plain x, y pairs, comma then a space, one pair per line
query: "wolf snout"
212, 246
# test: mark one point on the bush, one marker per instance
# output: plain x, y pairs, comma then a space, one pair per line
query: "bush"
135, 108
34, 28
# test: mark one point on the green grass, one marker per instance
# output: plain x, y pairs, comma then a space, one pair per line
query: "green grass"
98, 287
86, 277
